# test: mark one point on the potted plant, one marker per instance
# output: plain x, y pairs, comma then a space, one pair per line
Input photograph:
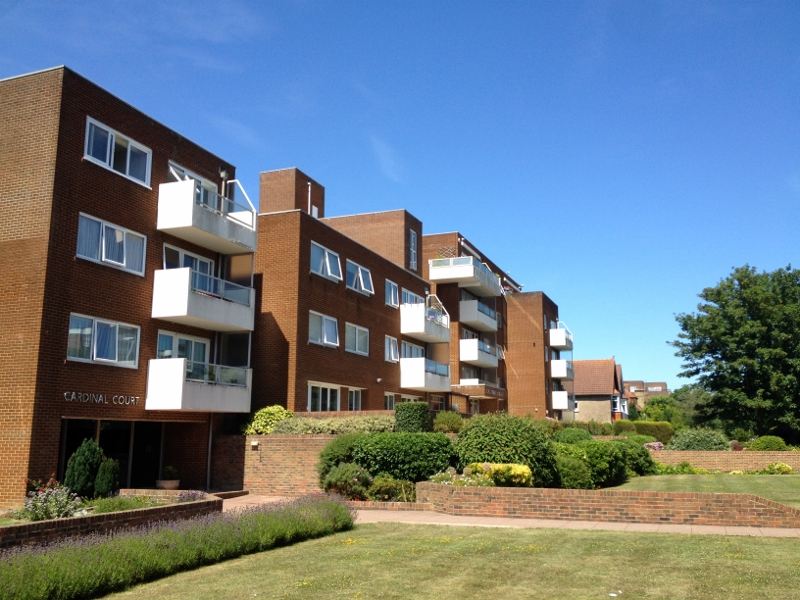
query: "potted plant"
170, 480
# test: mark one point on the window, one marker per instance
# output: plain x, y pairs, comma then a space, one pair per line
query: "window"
388, 401
359, 278
409, 350
202, 268
103, 242
412, 249
410, 398
356, 339
410, 297
391, 294
322, 329
437, 403
354, 399
322, 397
390, 352
325, 262
98, 340
205, 191
194, 349
654, 388
112, 150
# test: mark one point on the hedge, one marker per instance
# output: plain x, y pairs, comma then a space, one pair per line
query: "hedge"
661, 430
404, 455
572, 435
335, 425
606, 462
699, 439
412, 417
338, 450
767, 443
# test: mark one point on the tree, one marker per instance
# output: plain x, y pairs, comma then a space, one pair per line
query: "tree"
743, 345
679, 408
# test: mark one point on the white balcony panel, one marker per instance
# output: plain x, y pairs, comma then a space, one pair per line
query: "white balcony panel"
473, 352
470, 313
468, 272
169, 389
414, 375
561, 369
561, 338
560, 400
175, 300
224, 231
416, 322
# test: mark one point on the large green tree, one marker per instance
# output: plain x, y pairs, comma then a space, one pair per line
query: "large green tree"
743, 345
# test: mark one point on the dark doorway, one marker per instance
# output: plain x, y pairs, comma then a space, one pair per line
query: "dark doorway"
115, 440
73, 432
146, 453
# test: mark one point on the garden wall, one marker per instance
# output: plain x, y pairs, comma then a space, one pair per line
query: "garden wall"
712, 460
607, 505
56, 529
282, 464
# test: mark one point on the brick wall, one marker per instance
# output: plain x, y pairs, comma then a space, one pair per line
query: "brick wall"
227, 462
727, 461
606, 505
282, 465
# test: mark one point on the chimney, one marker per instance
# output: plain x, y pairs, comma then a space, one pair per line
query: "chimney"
290, 189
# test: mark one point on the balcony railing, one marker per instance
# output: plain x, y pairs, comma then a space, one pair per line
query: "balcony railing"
220, 288
468, 272
485, 347
226, 207
487, 310
436, 368
216, 374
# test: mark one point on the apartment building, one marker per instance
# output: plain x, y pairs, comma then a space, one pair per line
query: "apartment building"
598, 389
128, 301
640, 391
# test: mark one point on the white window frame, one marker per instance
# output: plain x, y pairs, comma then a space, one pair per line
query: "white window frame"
323, 386
391, 349
409, 295
391, 294
93, 354
181, 253
363, 276
201, 182
109, 160
101, 251
323, 341
356, 329
175, 336
329, 254
412, 249
352, 395
389, 400
407, 398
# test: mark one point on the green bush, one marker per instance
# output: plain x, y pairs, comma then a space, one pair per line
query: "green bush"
572, 435
448, 421
638, 438
412, 417
338, 450
637, 458
107, 480
606, 462
50, 502
503, 474
767, 443
335, 425
594, 427
683, 468
404, 455
82, 468
699, 439
661, 430
623, 426
96, 566
265, 420
740, 434
777, 468
550, 427
575, 472
499, 438
349, 480
118, 503
386, 488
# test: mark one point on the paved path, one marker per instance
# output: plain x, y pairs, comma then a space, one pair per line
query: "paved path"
426, 517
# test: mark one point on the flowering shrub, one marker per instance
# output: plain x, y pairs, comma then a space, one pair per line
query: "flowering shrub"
265, 420
348, 480
654, 446
699, 439
386, 488
777, 468
451, 477
191, 496
50, 502
503, 474
335, 425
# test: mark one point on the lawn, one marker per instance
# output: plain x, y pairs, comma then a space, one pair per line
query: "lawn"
407, 561
781, 488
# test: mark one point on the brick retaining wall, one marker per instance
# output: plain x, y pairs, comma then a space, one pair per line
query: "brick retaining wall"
607, 505
283, 464
743, 460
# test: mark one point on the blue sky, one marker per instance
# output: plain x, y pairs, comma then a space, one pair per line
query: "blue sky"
619, 156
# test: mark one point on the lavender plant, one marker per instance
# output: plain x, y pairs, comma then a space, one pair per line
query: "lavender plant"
50, 502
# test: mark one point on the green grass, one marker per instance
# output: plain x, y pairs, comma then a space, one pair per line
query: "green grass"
389, 561
781, 488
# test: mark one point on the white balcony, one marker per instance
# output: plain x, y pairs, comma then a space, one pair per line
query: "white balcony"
425, 323
424, 375
468, 272
560, 400
561, 338
216, 223
478, 353
192, 298
177, 384
477, 315
561, 369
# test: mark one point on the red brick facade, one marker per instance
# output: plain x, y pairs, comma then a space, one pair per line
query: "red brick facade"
282, 465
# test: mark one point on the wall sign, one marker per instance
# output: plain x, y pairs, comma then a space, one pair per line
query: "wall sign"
95, 398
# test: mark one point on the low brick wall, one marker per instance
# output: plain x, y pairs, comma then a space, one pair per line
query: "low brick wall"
608, 505
394, 506
57, 529
722, 460
283, 465
227, 462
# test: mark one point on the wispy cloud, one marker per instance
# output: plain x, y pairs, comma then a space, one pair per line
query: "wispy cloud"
240, 133
388, 161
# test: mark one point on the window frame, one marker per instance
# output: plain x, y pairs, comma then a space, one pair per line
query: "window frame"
93, 359
323, 338
327, 254
412, 249
390, 343
101, 251
108, 163
394, 299
323, 386
407, 293
387, 403
410, 345
355, 392
358, 329
359, 279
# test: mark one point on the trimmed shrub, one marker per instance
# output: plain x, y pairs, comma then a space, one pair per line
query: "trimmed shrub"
575, 472
349, 480
623, 426
661, 430
404, 455
82, 468
499, 438
740, 434
637, 458
550, 427
412, 417
107, 480
594, 427
265, 420
777, 468
572, 435
335, 425
339, 450
448, 421
503, 474
51, 502
683, 468
699, 439
638, 438
767, 443
386, 488
468, 479
606, 462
